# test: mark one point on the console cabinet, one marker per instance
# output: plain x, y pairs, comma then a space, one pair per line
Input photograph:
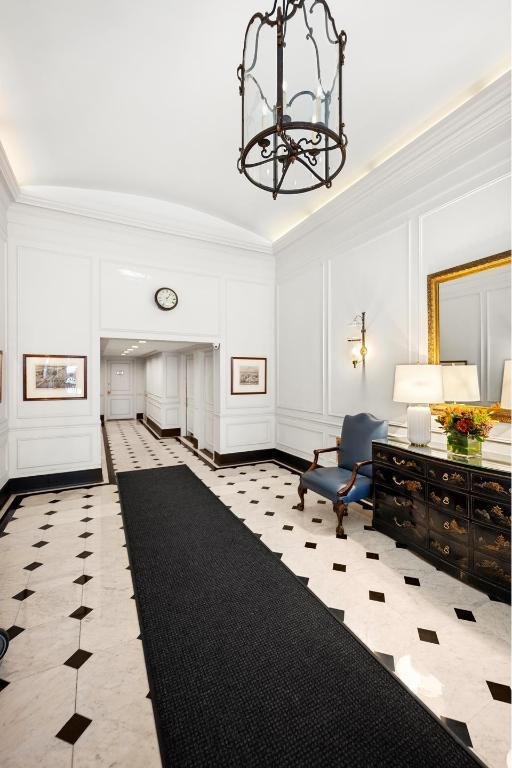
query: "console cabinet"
451, 511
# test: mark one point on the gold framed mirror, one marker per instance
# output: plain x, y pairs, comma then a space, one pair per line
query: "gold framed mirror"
469, 324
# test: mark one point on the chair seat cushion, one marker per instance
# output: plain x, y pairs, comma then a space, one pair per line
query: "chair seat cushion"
327, 480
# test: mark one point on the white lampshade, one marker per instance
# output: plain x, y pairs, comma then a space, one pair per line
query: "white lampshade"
460, 383
418, 384
506, 394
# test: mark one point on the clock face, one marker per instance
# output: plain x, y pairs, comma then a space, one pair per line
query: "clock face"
166, 298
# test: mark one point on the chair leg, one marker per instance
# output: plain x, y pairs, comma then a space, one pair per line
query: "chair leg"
302, 492
341, 510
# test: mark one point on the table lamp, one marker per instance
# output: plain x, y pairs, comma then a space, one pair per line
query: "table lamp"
506, 394
418, 385
460, 383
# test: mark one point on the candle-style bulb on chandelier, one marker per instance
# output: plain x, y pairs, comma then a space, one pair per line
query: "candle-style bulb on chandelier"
293, 136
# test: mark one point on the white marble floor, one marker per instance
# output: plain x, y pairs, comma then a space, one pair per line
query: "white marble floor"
73, 685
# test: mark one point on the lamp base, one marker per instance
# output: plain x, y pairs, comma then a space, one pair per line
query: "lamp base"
418, 424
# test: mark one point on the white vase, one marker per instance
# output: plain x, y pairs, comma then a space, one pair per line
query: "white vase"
418, 424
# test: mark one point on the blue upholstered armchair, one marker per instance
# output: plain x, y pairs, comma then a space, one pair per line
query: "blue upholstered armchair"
351, 480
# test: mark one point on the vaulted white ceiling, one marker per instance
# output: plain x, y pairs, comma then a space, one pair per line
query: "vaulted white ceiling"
142, 98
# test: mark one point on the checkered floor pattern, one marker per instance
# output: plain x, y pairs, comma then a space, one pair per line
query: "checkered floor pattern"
73, 685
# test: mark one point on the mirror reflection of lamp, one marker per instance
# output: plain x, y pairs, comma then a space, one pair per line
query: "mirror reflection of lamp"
506, 393
460, 383
357, 337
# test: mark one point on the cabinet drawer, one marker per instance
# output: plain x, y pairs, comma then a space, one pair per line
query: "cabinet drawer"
493, 542
492, 512
448, 525
411, 486
493, 486
449, 550
399, 460
407, 516
491, 568
446, 475
448, 500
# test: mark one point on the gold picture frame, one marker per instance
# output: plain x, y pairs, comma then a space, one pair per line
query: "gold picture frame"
433, 282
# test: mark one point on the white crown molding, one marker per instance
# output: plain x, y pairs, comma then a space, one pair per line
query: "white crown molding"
167, 225
470, 123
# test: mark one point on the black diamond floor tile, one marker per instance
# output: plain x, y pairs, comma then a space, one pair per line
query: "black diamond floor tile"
14, 631
73, 729
412, 581
339, 567
338, 613
499, 692
32, 566
23, 594
310, 545
82, 579
45, 527
459, 728
85, 535
3, 684
464, 615
372, 556
316, 520
428, 636
270, 514
86, 519
80, 612
287, 527
84, 554
78, 658
378, 597
387, 660
40, 544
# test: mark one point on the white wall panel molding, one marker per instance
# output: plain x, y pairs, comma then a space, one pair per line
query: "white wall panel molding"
439, 147
54, 450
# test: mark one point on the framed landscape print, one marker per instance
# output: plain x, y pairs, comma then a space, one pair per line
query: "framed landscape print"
54, 377
248, 375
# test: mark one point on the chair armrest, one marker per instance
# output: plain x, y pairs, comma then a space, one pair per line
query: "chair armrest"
318, 451
355, 469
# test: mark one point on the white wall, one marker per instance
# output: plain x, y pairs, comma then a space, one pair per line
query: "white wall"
4, 202
162, 401
75, 279
442, 201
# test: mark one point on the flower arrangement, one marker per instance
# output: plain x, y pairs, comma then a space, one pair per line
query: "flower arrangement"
466, 427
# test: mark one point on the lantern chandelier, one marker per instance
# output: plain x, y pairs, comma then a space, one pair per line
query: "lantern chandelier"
292, 128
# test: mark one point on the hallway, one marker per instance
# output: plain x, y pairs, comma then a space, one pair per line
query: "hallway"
75, 668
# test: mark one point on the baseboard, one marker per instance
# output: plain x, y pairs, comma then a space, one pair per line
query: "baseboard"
102, 420
140, 417
296, 462
192, 440
59, 480
174, 432
244, 457
4, 494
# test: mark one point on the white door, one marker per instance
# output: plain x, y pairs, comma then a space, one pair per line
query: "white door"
189, 389
120, 395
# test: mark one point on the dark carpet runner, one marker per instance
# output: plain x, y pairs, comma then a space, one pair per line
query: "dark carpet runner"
246, 666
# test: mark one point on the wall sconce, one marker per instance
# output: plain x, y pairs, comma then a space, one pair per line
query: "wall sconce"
357, 337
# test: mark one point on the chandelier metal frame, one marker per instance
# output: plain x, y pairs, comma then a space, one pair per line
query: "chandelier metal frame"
287, 142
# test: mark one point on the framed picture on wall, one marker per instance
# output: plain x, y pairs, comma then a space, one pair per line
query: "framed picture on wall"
248, 375
54, 377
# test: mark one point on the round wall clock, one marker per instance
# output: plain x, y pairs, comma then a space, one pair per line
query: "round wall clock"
166, 299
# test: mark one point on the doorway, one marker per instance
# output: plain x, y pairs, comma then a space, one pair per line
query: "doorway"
120, 395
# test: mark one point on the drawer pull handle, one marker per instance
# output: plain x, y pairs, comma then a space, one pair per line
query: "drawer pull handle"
446, 476
446, 500
397, 462
405, 524
446, 525
414, 486
402, 503
446, 550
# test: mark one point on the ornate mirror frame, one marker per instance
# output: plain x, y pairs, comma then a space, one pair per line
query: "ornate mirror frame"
433, 282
